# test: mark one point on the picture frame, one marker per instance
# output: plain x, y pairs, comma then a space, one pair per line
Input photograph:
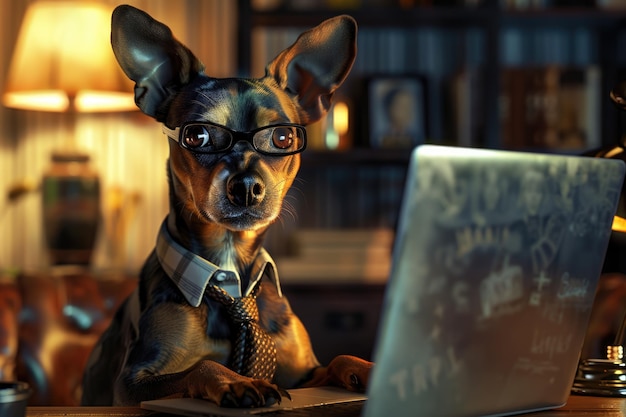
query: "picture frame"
397, 111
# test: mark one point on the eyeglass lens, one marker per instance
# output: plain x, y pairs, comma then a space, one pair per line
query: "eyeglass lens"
206, 138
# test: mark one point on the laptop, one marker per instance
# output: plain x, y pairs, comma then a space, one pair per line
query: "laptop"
301, 399
496, 263
495, 266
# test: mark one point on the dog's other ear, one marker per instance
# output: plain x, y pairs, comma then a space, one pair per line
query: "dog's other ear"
151, 56
316, 65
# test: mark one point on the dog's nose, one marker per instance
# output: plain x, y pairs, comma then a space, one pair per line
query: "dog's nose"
245, 189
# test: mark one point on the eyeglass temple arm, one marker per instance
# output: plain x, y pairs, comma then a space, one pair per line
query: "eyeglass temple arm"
171, 133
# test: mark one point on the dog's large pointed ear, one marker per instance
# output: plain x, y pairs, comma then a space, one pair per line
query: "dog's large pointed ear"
316, 65
151, 56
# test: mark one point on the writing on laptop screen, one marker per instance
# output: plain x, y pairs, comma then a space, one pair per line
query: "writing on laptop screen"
496, 264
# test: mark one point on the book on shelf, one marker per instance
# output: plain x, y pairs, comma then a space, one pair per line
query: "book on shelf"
339, 256
349, 195
550, 107
467, 126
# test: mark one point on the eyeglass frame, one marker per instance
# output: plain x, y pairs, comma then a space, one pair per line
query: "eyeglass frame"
236, 136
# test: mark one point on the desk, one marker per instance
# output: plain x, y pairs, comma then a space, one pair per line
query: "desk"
576, 406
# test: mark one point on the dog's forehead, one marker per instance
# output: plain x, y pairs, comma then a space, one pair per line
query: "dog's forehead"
240, 104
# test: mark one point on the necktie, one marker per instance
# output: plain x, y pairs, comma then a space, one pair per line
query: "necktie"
253, 353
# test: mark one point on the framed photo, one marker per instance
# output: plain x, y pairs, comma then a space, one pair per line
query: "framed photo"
397, 111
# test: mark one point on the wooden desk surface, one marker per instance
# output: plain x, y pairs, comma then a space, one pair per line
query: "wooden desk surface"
576, 406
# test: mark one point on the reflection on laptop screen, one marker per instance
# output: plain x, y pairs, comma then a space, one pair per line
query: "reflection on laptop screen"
496, 263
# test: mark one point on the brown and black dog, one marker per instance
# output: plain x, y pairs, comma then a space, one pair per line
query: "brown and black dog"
234, 152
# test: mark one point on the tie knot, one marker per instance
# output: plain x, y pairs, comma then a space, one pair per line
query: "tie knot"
244, 309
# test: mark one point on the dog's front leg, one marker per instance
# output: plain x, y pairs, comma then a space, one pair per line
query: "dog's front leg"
221, 385
207, 379
345, 371
172, 355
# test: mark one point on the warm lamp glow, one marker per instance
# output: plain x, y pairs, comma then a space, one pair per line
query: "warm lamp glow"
42, 100
619, 224
615, 152
63, 55
101, 101
341, 118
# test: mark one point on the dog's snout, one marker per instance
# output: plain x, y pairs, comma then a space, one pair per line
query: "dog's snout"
246, 189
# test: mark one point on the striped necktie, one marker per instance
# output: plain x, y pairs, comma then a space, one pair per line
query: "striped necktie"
253, 352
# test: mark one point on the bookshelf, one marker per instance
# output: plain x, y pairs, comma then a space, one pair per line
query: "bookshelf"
493, 71
385, 34
485, 38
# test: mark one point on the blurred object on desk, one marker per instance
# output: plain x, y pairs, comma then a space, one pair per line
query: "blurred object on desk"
13, 398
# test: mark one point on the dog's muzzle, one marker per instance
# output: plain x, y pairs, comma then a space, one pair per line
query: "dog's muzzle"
245, 189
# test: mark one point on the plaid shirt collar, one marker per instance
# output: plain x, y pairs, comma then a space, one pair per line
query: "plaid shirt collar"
192, 273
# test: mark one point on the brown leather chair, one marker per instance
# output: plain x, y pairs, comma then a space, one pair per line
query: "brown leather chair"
49, 322
10, 306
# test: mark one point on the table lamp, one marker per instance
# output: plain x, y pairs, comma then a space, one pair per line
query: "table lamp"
63, 62
607, 376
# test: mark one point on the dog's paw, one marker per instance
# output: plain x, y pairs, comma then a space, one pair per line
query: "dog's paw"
252, 393
214, 382
349, 372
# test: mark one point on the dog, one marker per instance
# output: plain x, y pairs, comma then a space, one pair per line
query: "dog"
234, 152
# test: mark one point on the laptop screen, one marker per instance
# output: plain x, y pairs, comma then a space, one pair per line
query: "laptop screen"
496, 263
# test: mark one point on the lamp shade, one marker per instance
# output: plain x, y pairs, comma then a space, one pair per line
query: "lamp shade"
63, 61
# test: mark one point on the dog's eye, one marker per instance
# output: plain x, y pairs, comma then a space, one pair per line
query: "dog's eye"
196, 136
283, 137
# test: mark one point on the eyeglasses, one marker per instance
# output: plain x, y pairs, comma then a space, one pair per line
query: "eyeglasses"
204, 137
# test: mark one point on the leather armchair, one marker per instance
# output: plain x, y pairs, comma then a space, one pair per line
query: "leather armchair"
49, 322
